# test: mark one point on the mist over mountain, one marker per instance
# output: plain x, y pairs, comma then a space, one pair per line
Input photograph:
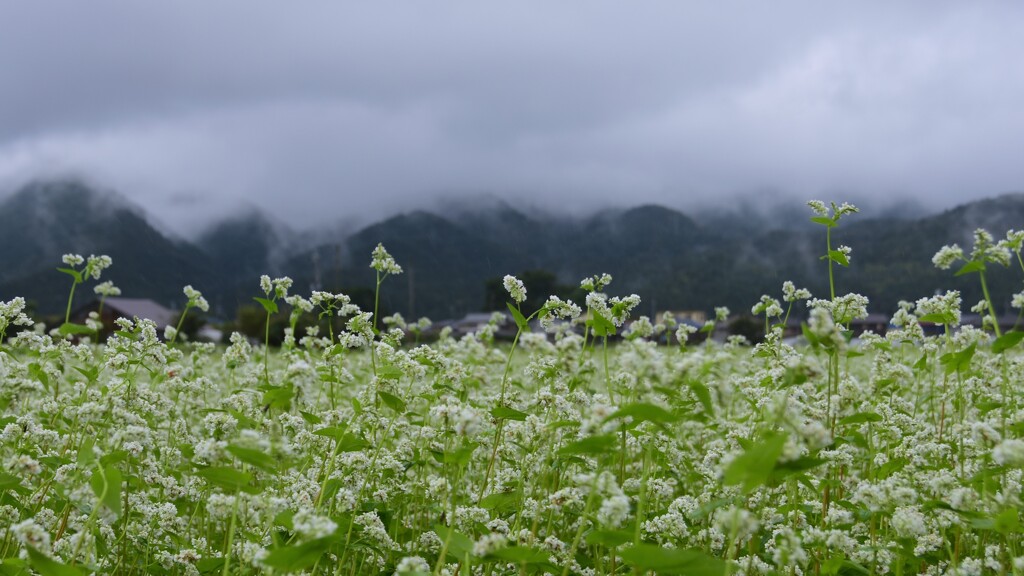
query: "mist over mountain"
707, 258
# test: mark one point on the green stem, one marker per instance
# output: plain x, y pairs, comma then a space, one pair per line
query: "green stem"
828, 256
988, 300
231, 537
181, 321
266, 350
67, 313
376, 307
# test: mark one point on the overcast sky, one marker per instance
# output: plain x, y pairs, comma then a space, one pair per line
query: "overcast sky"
322, 110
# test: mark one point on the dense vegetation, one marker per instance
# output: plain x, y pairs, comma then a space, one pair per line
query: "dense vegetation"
358, 451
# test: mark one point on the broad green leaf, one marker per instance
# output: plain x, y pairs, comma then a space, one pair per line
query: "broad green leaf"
703, 395
389, 372
609, 538
47, 566
255, 457
792, 467
346, 441
958, 361
938, 318
591, 445
838, 257
755, 465
279, 397
69, 328
521, 321
860, 418
461, 455
85, 454
38, 373
521, 555
644, 412
459, 545
76, 274
392, 401
1007, 341
310, 418
229, 479
336, 432
972, 266
13, 567
269, 305
672, 560
506, 413
824, 221
501, 502
600, 325
298, 556
106, 484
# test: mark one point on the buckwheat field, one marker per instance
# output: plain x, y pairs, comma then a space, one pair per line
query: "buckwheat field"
595, 442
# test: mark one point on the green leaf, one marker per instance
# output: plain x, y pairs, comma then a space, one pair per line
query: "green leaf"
279, 397
461, 456
47, 566
644, 412
77, 275
310, 418
521, 555
793, 467
703, 395
972, 266
501, 502
90, 373
609, 538
1007, 341
298, 556
672, 560
69, 328
824, 221
838, 257
106, 484
600, 325
938, 318
506, 413
958, 361
755, 465
521, 321
254, 457
229, 479
269, 305
38, 373
860, 418
85, 454
591, 445
13, 567
346, 441
392, 401
459, 545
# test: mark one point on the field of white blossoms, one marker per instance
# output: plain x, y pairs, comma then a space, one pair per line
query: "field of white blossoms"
360, 451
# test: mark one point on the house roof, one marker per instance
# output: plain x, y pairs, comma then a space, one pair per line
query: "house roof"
143, 308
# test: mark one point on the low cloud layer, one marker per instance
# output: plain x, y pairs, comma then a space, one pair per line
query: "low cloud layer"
327, 110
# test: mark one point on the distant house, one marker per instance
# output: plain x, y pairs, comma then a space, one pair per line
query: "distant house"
131, 308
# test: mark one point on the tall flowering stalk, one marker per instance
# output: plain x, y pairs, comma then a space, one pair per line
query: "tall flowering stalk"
274, 290
385, 265
195, 300
986, 251
94, 266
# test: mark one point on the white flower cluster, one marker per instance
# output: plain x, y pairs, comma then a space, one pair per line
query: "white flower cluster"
383, 262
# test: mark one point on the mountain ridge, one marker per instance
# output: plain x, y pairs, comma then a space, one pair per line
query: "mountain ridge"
672, 259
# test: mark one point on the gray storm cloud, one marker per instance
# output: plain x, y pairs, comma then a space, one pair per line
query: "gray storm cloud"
329, 110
